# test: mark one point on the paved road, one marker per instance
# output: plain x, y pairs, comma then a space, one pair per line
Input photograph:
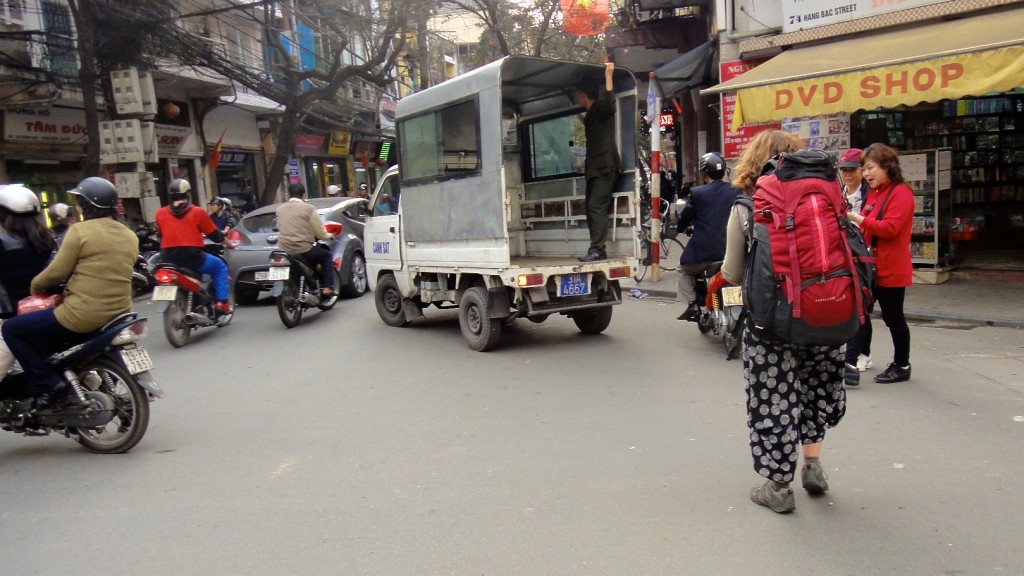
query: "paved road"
347, 447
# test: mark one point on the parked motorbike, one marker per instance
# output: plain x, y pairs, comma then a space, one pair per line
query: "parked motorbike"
149, 245
296, 283
103, 402
726, 316
186, 300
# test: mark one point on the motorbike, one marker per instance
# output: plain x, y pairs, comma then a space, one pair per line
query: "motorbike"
726, 316
296, 282
103, 402
185, 298
149, 245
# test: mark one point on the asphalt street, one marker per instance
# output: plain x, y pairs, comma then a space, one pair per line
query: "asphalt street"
344, 446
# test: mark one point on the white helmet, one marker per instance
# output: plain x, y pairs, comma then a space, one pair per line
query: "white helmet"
19, 199
333, 190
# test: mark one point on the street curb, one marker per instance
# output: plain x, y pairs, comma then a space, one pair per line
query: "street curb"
910, 314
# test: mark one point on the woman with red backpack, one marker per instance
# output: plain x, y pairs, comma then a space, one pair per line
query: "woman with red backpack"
886, 220
795, 392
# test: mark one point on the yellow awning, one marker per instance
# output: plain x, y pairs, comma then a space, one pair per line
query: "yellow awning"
967, 57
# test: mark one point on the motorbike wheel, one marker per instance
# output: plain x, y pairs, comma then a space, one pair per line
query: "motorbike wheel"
175, 328
593, 321
289, 307
131, 410
480, 332
357, 282
388, 300
733, 339
328, 304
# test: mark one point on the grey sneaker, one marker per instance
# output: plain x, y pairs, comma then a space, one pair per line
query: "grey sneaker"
851, 375
782, 501
814, 478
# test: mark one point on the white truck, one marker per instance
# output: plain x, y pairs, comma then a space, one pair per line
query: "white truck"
485, 210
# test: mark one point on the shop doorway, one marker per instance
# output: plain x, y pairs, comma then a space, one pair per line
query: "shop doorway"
323, 172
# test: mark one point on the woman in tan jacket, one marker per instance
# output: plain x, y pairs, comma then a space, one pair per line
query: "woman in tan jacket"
96, 260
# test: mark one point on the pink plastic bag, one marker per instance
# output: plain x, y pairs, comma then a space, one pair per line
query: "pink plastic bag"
32, 304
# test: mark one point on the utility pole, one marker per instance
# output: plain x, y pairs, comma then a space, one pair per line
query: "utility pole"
83, 13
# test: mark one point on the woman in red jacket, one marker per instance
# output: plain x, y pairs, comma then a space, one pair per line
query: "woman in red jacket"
886, 219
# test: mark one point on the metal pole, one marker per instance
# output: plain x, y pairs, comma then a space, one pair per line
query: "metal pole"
656, 188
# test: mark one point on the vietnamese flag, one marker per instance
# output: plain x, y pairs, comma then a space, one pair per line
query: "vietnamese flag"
215, 154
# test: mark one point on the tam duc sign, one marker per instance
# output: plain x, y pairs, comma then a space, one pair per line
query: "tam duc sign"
909, 83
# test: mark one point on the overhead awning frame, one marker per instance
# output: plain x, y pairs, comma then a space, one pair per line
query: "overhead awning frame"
686, 71
967, 57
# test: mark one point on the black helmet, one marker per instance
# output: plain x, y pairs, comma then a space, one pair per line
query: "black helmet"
97, 191
178, 189
713, 165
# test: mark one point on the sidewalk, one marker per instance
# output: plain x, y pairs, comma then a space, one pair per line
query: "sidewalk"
997, 301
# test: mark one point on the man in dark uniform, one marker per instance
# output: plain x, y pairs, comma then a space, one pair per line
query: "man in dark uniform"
603, 163
708, 210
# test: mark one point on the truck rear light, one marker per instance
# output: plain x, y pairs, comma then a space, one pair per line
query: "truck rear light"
530, 279
618, 272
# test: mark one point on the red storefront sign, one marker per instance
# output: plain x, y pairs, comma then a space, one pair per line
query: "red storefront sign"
733, 142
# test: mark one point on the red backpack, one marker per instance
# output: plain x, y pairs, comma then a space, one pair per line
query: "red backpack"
808, 274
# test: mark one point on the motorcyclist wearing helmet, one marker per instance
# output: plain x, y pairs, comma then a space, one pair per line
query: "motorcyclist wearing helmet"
96, 260
62, 217
182, 227
25, 245
25, 248
298, 227
333, 190
708, 211
221, 215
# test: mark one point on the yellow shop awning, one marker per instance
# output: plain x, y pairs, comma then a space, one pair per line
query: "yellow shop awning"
967, 57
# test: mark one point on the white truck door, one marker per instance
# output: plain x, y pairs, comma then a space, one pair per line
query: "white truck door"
382, 234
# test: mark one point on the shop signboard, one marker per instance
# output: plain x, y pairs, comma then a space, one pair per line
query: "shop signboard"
233, 159
804, 14
308, 144
734, 141
171, 139
47, 125
339, 143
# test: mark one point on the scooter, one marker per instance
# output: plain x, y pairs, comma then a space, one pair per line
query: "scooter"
186, 300
726, 316
103, 402
296, 282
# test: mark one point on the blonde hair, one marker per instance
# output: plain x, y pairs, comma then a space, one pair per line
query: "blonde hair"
761, 149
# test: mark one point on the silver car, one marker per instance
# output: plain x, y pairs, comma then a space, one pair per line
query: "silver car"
257, 237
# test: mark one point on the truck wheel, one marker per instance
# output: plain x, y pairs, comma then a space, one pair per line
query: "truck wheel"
595, 321
388, 299
479, 331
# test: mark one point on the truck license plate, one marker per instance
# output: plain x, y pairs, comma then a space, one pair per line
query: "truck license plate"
278, 273
167, 292
137, 360
574, 284
732, 296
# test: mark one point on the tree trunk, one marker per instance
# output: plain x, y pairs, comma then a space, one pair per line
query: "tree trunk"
285, 143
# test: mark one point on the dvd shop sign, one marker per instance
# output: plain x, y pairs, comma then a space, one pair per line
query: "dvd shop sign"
897, 83
45, 125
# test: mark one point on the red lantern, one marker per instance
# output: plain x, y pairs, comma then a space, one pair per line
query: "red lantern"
170, 110
585, 17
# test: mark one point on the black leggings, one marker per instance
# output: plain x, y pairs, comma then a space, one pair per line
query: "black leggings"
890, 300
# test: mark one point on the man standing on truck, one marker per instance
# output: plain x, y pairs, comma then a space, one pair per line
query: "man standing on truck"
603, 164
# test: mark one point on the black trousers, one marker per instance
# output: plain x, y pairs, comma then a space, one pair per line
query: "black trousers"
890, 300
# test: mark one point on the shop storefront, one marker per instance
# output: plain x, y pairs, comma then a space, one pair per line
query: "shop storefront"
43, 148
240, 165
954, 84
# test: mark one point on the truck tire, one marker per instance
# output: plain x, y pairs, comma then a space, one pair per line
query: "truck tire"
480, 332
593, 321
388, 299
